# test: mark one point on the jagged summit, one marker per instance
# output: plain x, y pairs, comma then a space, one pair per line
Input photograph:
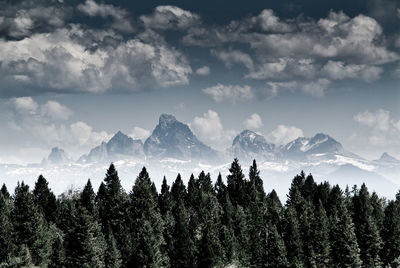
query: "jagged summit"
166, 119
249, 144
387, 158
119, 146
320, 143
172, 138
57, 156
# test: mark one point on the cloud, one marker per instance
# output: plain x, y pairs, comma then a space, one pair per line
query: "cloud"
231, 93
253, 122
25, 105
383, 130
64, 61
170, 17
120, 16
338, 70
231, 57
210, 130
310, 53
314, 88
55, 110
140, 133
19, 19
203, 71
285, 134
42, 123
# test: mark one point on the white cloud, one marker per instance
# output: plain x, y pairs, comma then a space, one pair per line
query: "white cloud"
383, 130
231, 93
55, 110
22, 18
62, 62
379, 119
285, 134
140, 133
120, 16
316, 88
253, 122
231, 57
203, 71
41, 125
210, 130
25, 105
170, 17
270, 22
338, 70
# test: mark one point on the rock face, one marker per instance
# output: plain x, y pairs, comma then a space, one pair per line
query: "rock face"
387, 158
174, 139
57, 156
250, 145
119, 146
319, 144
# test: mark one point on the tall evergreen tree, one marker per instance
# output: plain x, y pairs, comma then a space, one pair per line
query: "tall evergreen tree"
112, 204
366, 230
45, 199
6, 229
343, 241
236, 184
87, 198
29, 226
147, 226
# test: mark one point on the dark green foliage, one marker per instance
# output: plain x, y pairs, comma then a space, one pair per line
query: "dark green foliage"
6, 228
366, 228
199, 226
147, 226
45, 199
87, 198
30, 228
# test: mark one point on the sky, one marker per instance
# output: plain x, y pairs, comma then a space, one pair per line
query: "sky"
73, 73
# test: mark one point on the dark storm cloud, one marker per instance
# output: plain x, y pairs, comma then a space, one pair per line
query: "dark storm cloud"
19, 19
51, 46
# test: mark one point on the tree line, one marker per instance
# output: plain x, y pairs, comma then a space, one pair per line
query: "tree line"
233, 224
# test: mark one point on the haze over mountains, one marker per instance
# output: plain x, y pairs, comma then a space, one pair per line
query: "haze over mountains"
173, 148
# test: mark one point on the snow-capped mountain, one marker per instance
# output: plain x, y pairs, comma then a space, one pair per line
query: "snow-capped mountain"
57, 156
387, 159
321, 145
118, 147
174, 139
173, 148
250, 145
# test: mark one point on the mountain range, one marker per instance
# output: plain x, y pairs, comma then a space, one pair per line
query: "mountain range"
175, 140
173, 148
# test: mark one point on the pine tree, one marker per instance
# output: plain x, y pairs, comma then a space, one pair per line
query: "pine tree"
6, 229
113, 209
112, 256
29, 226
57, 257
343, 242
236, 184
275, 251
391, 232
84, 242
45, 199
147, 226
320, 237
292, 238
366, 230
87, 198
210, 249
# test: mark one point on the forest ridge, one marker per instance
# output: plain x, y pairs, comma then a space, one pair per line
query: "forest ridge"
199, 225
